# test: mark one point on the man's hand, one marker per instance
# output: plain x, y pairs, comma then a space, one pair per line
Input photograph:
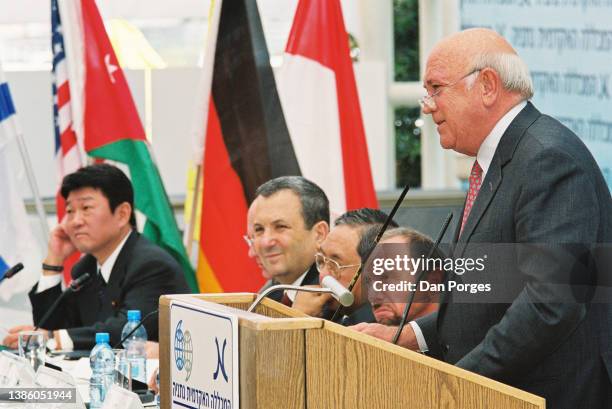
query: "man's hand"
12, 338
152, 350
311, 303
407, 338
152, 384
60, 247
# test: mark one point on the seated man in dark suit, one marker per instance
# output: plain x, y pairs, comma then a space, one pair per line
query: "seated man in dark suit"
289, 219
128, 272
339, 256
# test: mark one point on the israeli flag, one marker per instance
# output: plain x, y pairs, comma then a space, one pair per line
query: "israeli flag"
17, 242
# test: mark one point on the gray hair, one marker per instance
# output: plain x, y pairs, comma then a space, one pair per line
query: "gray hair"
315, 205
512, 70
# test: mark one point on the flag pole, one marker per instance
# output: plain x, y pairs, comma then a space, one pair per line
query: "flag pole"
25, 157
189, 231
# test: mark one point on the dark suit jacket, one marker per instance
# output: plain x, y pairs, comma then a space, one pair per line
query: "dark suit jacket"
311, 278
543, 186
141, 274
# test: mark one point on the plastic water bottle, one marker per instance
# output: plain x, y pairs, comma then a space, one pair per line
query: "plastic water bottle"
102, 361
135, 346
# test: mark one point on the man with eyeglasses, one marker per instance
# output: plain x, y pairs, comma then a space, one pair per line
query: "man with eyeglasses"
339, 256
289, 219
533, 181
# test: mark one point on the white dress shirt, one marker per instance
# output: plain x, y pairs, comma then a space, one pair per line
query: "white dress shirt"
291, 294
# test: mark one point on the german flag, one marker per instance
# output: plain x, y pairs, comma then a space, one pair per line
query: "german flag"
246, 143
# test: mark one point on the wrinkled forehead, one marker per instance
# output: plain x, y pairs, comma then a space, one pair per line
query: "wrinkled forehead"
444, 65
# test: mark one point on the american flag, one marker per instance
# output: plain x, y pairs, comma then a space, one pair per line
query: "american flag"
67, 156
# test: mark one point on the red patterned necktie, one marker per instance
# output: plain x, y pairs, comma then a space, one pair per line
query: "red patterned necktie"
475, 182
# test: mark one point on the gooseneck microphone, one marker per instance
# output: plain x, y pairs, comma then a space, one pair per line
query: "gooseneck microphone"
75, 285
396, 206
140, 324
12, 271
421, 276
329, 286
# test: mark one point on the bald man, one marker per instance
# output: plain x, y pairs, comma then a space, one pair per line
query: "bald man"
533, 181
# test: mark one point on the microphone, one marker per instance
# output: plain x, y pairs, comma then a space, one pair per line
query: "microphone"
396, 206
339, 292
140, 324
77, 283
420, 277
74, 286
333, 287
12, 271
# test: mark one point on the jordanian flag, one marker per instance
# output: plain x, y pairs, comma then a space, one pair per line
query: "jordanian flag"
108, 126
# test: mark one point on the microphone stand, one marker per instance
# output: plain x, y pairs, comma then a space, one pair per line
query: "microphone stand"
398, 203
420, 277
140, 324
75, 286
298, 288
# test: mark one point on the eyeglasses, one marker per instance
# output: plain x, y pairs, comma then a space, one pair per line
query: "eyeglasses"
429, 101
332, 266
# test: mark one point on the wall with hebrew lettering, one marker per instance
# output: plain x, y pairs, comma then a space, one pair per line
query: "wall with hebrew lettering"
567, 45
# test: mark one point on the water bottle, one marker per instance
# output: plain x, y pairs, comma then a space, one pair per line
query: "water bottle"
102, 361
135, 346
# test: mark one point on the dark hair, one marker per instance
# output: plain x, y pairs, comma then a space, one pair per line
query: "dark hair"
363, 216
108, 179
367, 220
315, 205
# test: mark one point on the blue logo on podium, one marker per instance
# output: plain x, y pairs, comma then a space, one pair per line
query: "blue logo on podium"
183, 350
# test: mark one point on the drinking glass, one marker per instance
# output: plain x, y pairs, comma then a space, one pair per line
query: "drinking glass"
32, 347
123, 369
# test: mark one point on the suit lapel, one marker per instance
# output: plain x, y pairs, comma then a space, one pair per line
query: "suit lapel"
119, 271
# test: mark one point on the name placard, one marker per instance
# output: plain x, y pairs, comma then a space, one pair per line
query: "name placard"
203, 357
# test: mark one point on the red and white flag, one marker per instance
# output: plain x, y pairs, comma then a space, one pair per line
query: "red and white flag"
319, 96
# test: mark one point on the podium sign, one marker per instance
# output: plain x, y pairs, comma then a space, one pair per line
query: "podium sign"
203, 357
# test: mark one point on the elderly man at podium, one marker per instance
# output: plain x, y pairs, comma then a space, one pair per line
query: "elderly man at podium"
533, 181
289, 219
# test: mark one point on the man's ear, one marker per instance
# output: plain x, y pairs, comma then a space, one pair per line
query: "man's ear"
123, 212
491, 85
321, 230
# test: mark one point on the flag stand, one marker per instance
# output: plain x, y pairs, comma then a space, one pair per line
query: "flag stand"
40, 210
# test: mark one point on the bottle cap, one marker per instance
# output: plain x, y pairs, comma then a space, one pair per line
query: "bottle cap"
133, 315
102, 337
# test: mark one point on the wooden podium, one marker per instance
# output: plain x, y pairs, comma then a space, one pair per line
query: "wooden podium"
289, 360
